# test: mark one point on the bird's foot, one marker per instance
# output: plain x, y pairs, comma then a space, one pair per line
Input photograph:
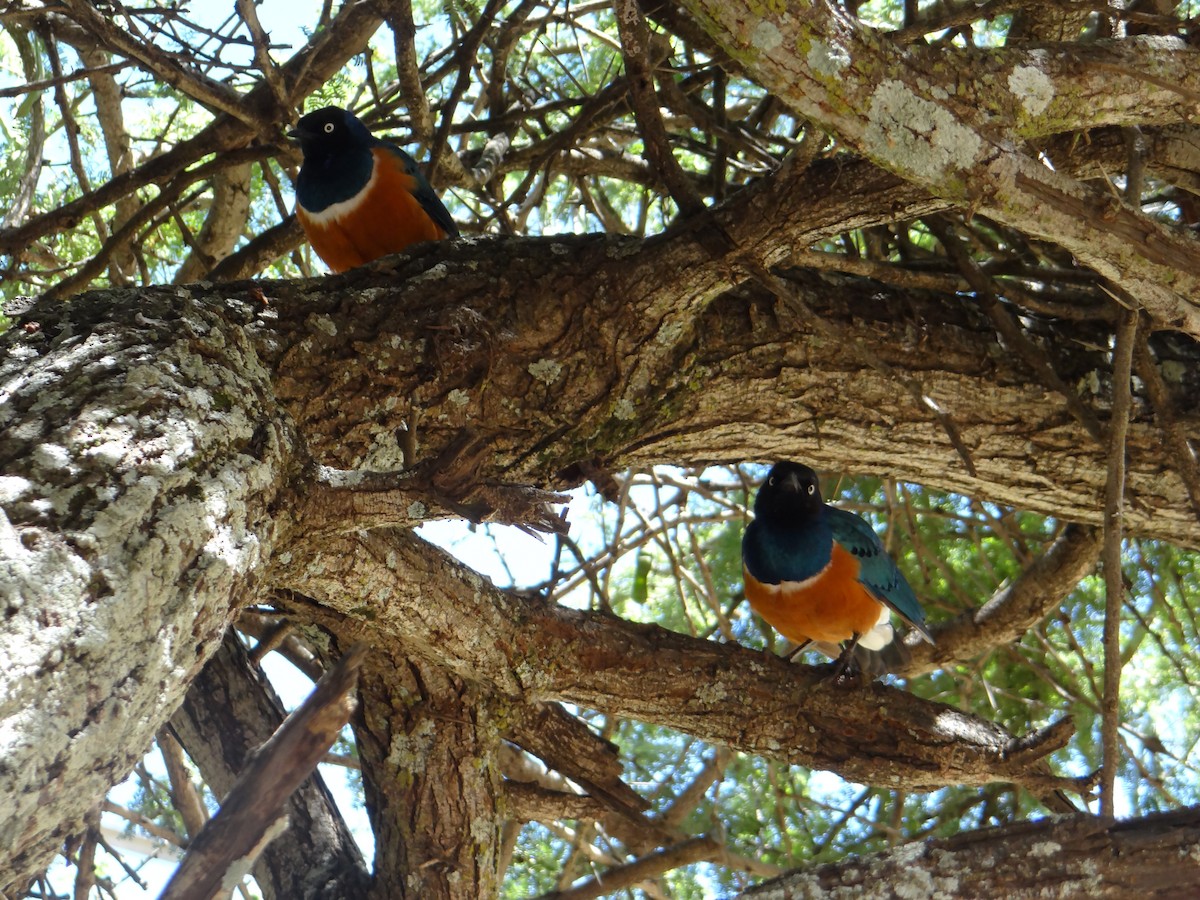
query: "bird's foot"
842, 675
846, 670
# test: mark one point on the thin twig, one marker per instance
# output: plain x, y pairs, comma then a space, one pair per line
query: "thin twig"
1007, 327
184, 796
1114, 584
619, 877
262, 54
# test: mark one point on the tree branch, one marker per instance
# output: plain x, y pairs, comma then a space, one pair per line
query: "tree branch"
594, 367
168, 522
877, 735
639, 68
622, 877
1114, 577
212, 94
879, 100
1014, 608
222, 853
428, 741
229, 712
1151, 857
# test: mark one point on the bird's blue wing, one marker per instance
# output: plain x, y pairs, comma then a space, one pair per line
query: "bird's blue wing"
876, 569
425, 195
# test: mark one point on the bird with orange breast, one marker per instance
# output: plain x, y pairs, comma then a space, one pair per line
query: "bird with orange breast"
820, 575
358, 197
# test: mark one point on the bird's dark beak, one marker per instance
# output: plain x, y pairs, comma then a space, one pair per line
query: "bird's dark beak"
791, 482
302, 133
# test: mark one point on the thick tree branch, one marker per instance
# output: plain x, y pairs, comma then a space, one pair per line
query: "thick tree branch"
1152, 857
611, 361
428, 742
229, 712
252, 813
619, 365
568, 746
876, 735
1040, 91
879, 99
159, 514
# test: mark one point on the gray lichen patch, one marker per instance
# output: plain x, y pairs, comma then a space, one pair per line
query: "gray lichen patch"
545, 370
827, 59
1032, 87
908, 132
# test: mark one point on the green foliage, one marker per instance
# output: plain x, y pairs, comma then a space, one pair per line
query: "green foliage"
537, 861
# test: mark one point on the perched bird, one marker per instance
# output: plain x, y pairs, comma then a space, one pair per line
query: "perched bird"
358, 197
819, 574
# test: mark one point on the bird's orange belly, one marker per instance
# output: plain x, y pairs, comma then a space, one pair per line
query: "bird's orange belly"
832, 607
386, 219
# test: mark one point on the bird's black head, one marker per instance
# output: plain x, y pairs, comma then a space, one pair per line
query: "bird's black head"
329, 132
790, 493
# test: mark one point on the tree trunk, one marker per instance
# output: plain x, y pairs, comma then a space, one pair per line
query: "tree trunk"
142, 454
428, 743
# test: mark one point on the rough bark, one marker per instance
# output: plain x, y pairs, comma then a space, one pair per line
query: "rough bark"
622, 377
168, 454
1157, 856
142, 451
428, 743
583, 352
896, 109
548, 381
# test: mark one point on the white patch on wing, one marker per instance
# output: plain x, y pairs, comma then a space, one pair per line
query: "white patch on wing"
335, 211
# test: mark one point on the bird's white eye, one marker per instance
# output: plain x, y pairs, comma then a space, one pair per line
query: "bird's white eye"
329, 126
771, 481
812, 488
